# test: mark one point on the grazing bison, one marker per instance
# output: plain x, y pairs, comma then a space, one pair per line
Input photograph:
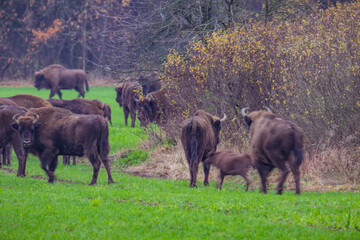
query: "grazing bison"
51, 131
230, 163
199, 136
274, 143
153, 108
29, 101
10, 136
149, 83
126, 95
56, 77
83, 106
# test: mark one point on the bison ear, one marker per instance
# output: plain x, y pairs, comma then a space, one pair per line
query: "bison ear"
15, 126
248, 120
217, 124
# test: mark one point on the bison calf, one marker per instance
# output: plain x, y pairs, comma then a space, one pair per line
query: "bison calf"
230, 163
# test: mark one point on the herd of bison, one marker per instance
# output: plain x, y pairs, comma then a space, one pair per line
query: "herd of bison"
78, 127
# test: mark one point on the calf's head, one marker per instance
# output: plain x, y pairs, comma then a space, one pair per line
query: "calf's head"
26, 126
146, 110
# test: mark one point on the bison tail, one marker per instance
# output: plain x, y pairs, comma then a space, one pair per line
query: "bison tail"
104, 147
193, 143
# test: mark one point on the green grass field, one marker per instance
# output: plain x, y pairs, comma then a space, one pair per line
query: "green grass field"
146, 208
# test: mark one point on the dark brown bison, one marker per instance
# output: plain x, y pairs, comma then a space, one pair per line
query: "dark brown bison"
83, 106
10, 136
49, 132
29, 101
56, 77
126, 95
5, 152
154, 107
275, 143
149, 83
199, 136
230, 163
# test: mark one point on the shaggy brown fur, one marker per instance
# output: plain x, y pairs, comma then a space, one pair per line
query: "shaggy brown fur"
56, 77
199, 136
150, 83
60, 132
230, 163
126, 95
29, 101
8, 136
275, 143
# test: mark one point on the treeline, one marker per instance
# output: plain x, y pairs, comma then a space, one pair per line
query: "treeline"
307, 71
113, 37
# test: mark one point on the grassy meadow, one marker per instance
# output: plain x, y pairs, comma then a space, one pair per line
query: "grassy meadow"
151, 208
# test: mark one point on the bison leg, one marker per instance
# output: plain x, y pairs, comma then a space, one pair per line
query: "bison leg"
52, 166
108, 169
248, 181
126, 115
59, 94
74, 160
66, 159
221, 179
296, 172
206, 167
264, 171
95, 161
193, 171
7, 156
133, 118
285, 172
52, 93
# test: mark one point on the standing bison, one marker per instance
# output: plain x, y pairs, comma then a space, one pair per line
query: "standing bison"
199, 136
56, 77
275, 143
8, 135
149, 83
153, 108
127, 94
50, 131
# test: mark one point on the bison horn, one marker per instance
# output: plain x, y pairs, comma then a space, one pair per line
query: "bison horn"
243, 111
16, 116
36, 118
268, 109
224, 118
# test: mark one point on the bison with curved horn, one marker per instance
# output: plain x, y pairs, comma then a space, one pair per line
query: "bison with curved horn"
51, 131
274, 143
199, 136
56, 77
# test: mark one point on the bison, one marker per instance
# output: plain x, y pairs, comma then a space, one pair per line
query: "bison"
29, 101
199, 136
6, 151
51, 131
56, 77
274, 143
153, 108
230, 163
126, 95
83, 106
9, 136
149, 83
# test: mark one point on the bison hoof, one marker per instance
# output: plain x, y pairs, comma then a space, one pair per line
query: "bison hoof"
21, 175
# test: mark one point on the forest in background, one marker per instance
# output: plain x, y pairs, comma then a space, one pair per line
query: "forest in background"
111, 38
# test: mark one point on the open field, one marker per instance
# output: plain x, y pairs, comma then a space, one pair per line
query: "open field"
148, 208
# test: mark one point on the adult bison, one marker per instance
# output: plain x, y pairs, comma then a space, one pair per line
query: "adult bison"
83, 106
50, 131
154, 107
199, 136
5, 152
274, 143
56, 77
149, 83
126, 95
29, 101
10, 136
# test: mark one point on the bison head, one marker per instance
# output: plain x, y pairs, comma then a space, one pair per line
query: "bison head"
107, 112
214, 121
146, 110
40, 81
26, 126
256, 116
